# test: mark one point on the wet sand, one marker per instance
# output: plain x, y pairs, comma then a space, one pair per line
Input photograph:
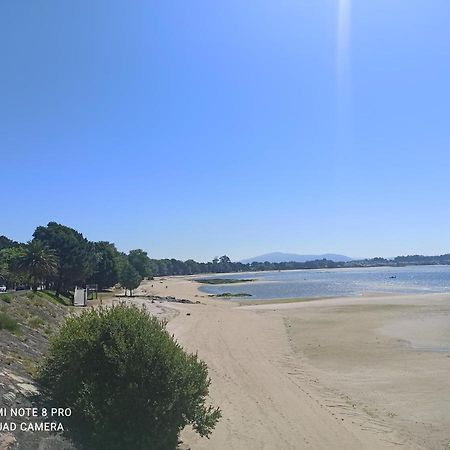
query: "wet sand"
388, 358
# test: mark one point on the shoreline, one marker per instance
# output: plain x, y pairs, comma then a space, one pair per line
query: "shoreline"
381, 287
278, 370
314, 269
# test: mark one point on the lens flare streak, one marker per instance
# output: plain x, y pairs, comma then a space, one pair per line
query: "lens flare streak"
343, 39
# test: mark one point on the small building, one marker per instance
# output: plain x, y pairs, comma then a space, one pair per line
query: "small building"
80, 297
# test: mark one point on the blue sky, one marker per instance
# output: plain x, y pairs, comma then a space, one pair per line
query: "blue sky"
194, 129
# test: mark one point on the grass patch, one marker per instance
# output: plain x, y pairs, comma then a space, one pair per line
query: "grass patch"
8, 323
30, 367
222, 280
52, 297
36, 322
6, 298
40, 300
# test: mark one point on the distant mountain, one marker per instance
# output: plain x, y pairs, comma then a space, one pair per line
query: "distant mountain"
278, 257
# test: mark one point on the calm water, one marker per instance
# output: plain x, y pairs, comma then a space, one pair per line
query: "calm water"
337, 282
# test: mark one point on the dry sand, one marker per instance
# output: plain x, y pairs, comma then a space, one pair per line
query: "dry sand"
351, 373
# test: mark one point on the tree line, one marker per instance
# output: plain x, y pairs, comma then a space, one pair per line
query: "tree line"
60, 258
165, 267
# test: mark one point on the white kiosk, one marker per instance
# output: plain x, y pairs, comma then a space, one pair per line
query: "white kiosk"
80, 297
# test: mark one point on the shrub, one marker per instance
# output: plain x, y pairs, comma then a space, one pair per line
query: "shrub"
129, 384
8, 323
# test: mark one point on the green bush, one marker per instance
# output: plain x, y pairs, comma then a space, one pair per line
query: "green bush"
129, 384
8, 323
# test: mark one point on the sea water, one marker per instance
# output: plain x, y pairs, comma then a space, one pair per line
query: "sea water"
336, 282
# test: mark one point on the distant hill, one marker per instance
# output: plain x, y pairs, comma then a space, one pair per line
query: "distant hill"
278, 257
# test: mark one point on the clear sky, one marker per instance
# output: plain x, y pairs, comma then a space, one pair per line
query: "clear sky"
198, 128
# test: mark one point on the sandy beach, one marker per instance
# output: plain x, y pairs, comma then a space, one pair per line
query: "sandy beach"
344, 373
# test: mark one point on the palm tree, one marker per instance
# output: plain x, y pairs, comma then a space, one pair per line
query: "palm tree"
38, 262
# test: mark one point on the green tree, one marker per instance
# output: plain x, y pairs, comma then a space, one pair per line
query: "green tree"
129, 384
37, 262
140, 261
7, 243
106, 265
191, 266
225, 264
129, 278
9, 258
73, 251
4, 272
